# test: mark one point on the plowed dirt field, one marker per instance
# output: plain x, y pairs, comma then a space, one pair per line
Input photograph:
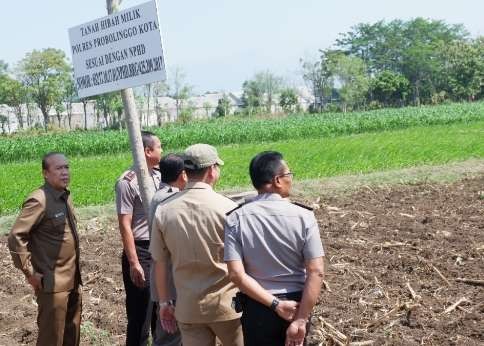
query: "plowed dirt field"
405, 266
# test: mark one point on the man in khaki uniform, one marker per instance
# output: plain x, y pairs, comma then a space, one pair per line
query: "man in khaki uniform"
44, 245
188, 231
173, 179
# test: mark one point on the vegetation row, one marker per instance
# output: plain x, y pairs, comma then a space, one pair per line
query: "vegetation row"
93, 177
374, 65
240, 130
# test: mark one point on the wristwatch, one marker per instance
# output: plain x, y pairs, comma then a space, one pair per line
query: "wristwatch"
274, 304
170, 302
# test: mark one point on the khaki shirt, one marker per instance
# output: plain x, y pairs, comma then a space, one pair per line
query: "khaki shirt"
188, 230
128, 201
44, 239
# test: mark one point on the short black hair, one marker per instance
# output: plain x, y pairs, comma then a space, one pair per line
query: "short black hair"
171, 167
147, 138
265, 166
198, 173
45, 165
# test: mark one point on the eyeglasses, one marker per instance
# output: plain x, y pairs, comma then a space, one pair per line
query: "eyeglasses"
288, 174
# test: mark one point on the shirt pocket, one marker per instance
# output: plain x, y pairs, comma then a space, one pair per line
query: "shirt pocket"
56, 224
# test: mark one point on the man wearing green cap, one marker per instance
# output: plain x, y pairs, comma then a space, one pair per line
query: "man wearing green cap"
188, 231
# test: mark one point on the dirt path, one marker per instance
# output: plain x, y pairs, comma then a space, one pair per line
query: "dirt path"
393, 254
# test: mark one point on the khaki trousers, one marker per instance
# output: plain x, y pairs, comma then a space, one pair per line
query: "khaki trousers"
59, 318
203, 334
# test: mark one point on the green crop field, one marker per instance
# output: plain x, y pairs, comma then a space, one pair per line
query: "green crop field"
236, 130
93, 177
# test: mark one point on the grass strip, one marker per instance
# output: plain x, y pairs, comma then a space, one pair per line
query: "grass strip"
93, 177
240, 130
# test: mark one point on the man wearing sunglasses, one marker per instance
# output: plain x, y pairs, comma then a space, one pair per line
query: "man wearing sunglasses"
274, 255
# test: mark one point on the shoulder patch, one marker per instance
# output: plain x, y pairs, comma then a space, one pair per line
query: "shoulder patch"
169, 197
237, 207
302, 206
129, 176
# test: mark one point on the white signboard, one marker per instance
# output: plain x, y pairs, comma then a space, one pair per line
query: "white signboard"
118, 51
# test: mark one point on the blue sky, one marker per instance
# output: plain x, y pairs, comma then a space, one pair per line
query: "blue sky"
219, 44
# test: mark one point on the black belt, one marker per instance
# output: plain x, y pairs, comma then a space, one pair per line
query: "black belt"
240, 300
297, 296
142, 242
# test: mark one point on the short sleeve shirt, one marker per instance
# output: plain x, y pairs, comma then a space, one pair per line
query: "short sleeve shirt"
188, 231
128, 201
273, 238
160, 196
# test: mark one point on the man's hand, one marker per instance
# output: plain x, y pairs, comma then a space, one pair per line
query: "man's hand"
137, 274
167, 318
35, 280
286, 309
296, 332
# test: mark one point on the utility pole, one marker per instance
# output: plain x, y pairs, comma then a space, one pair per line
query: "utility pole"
147, 189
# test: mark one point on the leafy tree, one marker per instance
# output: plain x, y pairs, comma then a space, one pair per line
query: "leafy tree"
318, 77
378, 44
270, 85
260, 91
351, 74
288, 100
59, 109
111, 106
13, 94
223, 107
463, 68
63, 99
44, 72
420, 63
179, 91
253, 96
410, 48
186, 114
390, 88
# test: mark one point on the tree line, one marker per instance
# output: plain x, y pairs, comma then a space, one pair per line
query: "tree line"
384, 64
398, 63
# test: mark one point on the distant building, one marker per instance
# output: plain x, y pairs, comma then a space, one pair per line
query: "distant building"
161, 110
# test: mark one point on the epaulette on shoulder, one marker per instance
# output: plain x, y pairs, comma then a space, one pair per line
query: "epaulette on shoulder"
302, 206
129, 176
169, 197
237, 207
